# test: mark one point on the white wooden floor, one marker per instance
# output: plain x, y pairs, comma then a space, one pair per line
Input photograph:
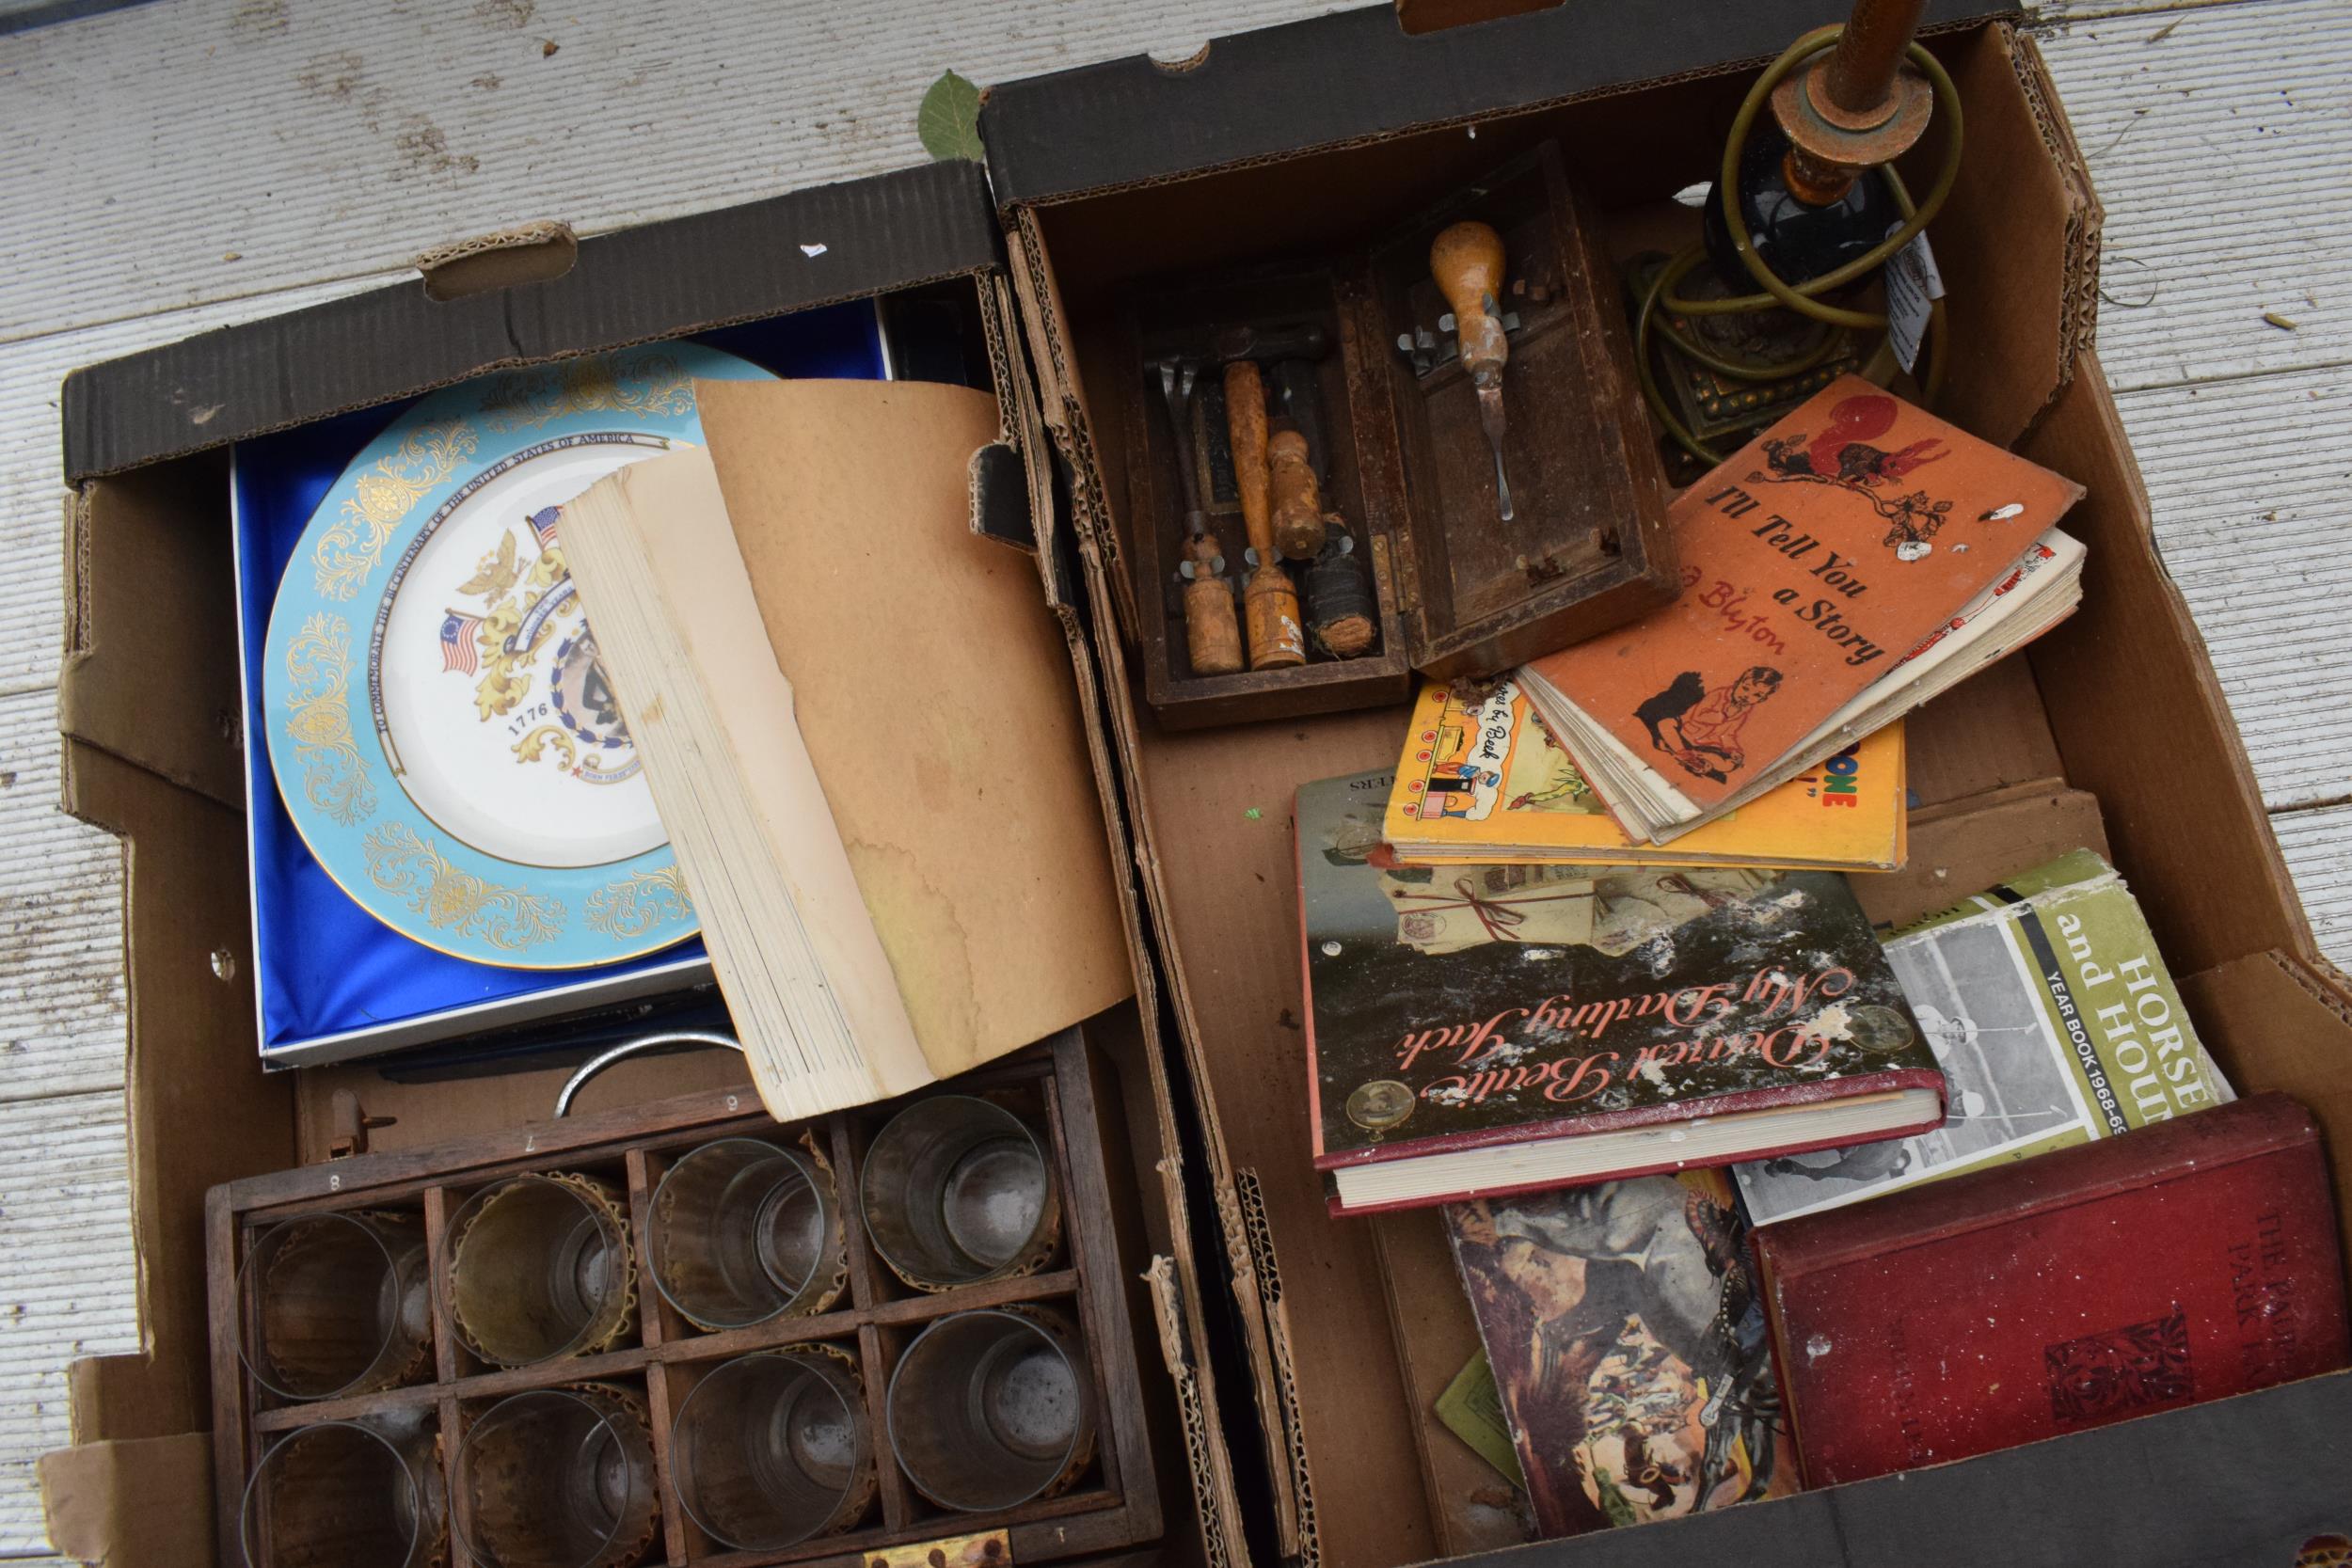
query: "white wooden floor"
182, 165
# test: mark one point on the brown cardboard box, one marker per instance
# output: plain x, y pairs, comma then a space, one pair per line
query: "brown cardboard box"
151, 753
2110, 731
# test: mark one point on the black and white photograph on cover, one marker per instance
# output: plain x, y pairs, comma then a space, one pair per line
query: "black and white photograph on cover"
2008, 1086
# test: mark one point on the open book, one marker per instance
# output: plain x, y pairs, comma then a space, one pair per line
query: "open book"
860, 726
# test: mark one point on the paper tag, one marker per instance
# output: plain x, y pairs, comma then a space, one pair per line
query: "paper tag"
1913, 285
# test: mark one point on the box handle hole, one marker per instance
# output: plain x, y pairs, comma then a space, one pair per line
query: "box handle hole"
528, 253
1435, 16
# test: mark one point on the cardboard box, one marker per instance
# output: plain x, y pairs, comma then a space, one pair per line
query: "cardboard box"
2112, 731
151, 753
1298, 137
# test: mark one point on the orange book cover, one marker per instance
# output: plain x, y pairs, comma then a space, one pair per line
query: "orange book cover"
1813, 561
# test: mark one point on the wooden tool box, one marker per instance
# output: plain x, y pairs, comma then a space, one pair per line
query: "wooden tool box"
1461, 592
1109, 177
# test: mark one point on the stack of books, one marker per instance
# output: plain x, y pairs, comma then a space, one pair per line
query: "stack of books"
1854, 561
1584, 969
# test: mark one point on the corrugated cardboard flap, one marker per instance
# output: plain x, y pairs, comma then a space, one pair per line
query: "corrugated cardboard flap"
1354, 75
637, 285
136, 1504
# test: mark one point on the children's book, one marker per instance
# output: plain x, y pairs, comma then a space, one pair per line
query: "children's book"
1844, 567
1482, 779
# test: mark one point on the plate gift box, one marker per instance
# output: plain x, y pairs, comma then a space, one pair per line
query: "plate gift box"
449, 831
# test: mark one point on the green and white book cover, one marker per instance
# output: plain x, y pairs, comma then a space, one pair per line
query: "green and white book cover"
2052, 1015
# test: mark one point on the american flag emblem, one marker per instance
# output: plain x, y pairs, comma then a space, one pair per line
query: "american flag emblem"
543, 524
459, 650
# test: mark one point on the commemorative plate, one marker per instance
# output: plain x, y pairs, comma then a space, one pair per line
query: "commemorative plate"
441, 731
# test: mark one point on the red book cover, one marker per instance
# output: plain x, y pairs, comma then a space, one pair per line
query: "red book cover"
2181, 1262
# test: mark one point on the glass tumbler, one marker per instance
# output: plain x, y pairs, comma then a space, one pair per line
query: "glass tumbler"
744, 1231
990, 1409
774, 1448
557, 1477
336, 1304
957, 1190
538, 1267
343, 1495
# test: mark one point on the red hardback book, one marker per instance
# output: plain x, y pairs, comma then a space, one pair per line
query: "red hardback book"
2178, 1263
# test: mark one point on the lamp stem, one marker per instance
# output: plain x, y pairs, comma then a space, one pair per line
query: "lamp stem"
1859, 76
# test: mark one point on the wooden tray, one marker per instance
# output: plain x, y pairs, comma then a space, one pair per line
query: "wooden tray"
1404, 460
1113, 1503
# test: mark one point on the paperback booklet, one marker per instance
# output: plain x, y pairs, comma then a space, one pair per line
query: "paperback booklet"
1630, 1348
1482, 779
2050, 1011
1476, 1030
2190, 1262
1846, 565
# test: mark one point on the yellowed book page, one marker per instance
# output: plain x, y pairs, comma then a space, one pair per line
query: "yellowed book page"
936, 696
804, 971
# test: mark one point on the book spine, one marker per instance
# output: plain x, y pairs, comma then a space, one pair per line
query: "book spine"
1778, 1097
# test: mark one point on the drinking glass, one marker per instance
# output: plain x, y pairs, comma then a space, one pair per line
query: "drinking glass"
344, 1494
557, 1477
989, 1409
957, 1190
744, 1231
773, 1448
538, 1267
337, 1304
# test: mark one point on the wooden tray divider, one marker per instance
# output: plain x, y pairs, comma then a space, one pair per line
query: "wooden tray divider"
452, 1430
878, 1314
447, 1363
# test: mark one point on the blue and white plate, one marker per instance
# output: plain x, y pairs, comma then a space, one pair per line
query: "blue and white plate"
440, 725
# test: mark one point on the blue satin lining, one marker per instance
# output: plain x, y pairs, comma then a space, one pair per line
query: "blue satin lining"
327, 966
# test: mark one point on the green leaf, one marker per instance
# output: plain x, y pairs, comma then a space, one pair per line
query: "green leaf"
949, 120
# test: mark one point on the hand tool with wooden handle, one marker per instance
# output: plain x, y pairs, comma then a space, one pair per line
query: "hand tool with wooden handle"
1335, 587
1466, 261
1298, 499
1269, 600
1211, 629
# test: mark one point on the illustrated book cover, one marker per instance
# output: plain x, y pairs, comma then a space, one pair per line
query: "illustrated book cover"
1473, 1030
1630, 1348
2188, 1260
2051, 1013
1839, 570
1483, 778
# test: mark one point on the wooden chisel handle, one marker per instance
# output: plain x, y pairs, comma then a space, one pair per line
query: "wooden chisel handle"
1299, 528
1466, 261
1212, 630
1246, 427
1269, 599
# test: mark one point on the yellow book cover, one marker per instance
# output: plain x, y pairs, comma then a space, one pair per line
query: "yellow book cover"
1481, 780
